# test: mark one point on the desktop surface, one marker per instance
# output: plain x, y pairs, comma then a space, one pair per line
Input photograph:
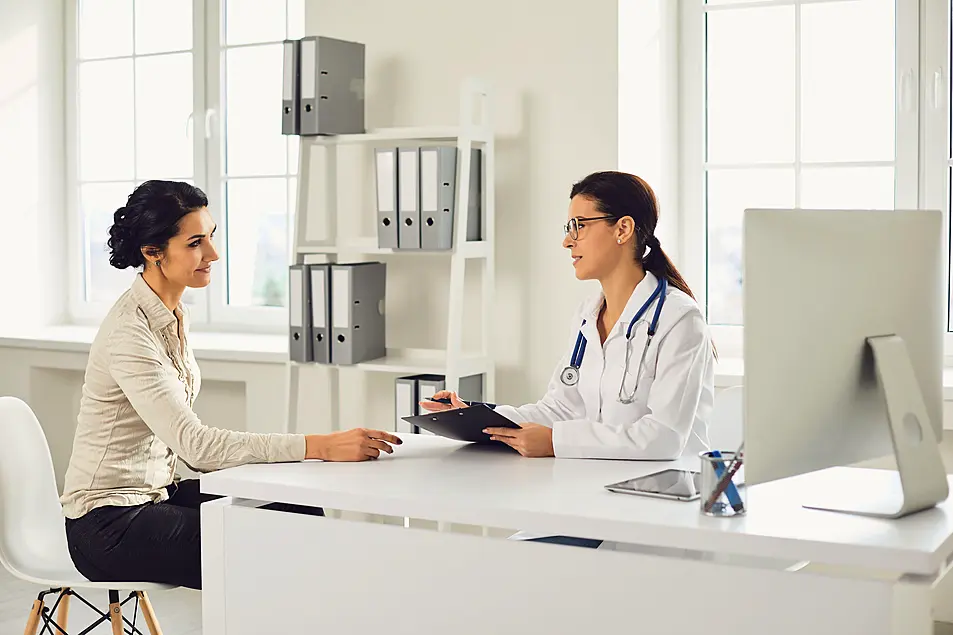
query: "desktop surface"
439, 479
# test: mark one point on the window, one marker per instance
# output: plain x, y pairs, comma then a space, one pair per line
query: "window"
185, 90
794, 112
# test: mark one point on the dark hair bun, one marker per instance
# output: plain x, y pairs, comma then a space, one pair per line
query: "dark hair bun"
150, 218
122, 243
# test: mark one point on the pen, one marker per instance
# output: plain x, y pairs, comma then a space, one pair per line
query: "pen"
445, 401
725, 483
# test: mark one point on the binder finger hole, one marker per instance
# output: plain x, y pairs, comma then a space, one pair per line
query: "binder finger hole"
429, 222
296, 336
386, 222
319, 337
408, 221
307, 107
341, 338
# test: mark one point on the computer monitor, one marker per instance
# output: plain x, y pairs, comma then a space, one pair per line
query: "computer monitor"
843, 323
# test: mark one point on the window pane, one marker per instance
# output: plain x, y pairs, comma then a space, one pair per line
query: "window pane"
98, 202
847, 91
750, 76
105, 28
163, 106
730, 192
847, 188
253, 21
257, 218
254, 143
106, 120
163, 26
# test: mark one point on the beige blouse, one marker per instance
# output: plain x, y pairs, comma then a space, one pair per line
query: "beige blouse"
136, 418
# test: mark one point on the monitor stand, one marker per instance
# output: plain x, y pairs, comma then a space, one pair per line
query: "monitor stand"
920, 481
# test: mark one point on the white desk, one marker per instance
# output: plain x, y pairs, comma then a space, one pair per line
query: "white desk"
268, 571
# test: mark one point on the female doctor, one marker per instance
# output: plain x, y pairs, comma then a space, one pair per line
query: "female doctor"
637, 378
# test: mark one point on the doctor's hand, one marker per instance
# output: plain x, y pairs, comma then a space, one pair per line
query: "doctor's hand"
433, 406
531, 439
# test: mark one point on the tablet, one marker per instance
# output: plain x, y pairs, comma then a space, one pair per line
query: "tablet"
683, 485
462, 424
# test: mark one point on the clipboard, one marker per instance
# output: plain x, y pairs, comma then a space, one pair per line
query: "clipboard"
463, 424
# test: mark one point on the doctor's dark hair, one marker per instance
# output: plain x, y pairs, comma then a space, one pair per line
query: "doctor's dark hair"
150, 218
618, 194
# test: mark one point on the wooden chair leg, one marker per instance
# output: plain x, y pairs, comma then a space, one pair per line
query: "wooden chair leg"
115, 613
34, 621
62, 612
149, 613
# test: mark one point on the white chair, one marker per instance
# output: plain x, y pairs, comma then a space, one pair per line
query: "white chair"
33, 532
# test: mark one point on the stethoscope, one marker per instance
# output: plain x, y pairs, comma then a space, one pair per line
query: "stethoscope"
570, 374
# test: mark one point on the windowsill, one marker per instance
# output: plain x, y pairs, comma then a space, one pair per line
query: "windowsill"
273, 349
211, 346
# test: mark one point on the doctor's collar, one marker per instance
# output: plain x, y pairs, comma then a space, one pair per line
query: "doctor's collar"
640, 294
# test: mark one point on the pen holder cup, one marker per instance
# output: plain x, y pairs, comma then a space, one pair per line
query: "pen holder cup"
721, 492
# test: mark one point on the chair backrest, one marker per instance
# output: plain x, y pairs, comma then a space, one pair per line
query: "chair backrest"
32, 528
726, 429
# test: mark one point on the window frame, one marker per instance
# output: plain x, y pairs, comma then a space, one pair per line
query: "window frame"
693, 217
210, 311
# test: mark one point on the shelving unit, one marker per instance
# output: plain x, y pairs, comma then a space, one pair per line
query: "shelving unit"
317, 204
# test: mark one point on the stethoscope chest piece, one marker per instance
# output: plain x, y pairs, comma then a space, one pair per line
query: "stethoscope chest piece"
569, 376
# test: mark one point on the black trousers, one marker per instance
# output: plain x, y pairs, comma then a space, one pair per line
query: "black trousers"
155, 542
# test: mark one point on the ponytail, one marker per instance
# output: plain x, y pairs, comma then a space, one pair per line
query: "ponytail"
658, 263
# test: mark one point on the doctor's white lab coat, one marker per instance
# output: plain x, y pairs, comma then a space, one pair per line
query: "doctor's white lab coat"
674, 398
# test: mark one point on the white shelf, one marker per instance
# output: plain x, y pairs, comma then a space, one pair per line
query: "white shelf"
474, 130
422, 133
471, 249
415, 362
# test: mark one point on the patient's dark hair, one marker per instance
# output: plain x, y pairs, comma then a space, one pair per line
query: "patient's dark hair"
150, 218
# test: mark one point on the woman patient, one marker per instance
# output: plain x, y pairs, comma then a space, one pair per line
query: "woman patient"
128, 517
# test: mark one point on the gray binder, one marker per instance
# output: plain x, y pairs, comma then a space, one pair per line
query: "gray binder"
321, 313
290, 87
408, 211
357, 312
332, 86
405, 403
299, 314
438, 195
386, 177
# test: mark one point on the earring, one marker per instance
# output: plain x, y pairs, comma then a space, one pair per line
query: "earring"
619, 241
157, 263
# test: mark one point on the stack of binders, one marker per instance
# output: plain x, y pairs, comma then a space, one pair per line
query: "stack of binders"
409, 391
322, 87
337, 312
416, 197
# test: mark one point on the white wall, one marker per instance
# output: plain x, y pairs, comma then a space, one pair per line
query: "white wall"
649, 106
32, 174
552, 69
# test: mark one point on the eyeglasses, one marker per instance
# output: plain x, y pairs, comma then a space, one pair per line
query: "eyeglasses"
571, 228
